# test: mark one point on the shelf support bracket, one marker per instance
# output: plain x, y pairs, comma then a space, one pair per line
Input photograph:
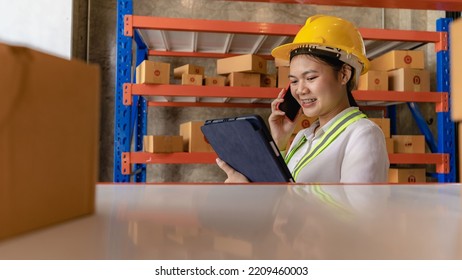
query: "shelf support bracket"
442, 44
128, 25
443, 167
126, 168
127, 94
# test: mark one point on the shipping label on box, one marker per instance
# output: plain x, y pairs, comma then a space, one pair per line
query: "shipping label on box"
406, 175
193, 138
244, 80
302, 122
52, 177
398, 59
162, 144
242, 63
373, 80
215, 81
187, 69
413, 144
283, 77
151, 72
405, 79
191, 79
384, 124
268, 81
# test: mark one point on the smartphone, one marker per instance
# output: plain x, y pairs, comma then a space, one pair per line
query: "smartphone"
290, 105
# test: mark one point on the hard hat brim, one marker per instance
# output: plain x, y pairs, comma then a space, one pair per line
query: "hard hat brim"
283, 52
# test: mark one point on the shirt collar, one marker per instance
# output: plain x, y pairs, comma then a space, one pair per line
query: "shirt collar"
309, 131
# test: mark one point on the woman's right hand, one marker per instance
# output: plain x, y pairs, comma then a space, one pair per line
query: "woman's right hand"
281, 127
233, 175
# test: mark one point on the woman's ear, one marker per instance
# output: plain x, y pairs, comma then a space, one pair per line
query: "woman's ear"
346, 73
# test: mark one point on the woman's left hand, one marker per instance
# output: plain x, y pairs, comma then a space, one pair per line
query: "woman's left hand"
233, 175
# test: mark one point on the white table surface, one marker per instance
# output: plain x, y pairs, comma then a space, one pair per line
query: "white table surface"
205, 221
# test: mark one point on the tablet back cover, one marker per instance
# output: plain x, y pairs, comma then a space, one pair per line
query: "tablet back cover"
246, 146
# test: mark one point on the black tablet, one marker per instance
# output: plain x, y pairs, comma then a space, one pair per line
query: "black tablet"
245, 143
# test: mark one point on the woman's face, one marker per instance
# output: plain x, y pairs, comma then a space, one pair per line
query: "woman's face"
320, 90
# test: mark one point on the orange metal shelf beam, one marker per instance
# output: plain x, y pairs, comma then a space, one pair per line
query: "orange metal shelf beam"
442, 5
209, 104
439, 98
440, 160
259, 28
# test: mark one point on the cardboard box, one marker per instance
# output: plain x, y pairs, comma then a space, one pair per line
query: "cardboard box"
398, 59
384, 124
278, 62
373, 80
162, 144
187, 69
411, 144
193, 139
151, 72
390, 145
49, 135
283, 77
268, 81
405, 79
249, 63
215, 81
456, 71
406, 175
191, 79
243, 80
303, 122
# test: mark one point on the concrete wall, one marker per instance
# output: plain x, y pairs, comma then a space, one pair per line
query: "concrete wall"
100, 48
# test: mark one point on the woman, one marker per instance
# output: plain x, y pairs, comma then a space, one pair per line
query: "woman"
326, 57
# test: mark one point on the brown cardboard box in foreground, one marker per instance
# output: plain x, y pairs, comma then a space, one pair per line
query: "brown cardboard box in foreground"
49, 134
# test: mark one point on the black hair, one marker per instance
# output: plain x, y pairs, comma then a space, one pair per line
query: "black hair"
336, 64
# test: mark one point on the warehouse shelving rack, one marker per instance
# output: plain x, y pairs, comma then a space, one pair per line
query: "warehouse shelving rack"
198, 38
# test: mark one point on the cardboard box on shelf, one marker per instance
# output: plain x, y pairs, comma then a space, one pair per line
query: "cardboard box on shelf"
249, 63
413, 144
283, 77
406, 79
303, 122
267, 80
193, 139
191, 79
373, 80
238, 79
162, 143
456, 71
215, 81
187, 69
49, 135
406, 175
390, 145
398, 59
152, 72
281, 62
384, 124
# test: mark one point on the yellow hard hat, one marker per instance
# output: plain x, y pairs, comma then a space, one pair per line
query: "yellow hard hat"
328, 35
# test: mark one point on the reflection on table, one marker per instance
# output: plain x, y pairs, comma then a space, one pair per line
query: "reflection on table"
164, 221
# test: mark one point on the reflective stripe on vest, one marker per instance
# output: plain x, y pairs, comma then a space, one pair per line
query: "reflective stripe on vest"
331, 134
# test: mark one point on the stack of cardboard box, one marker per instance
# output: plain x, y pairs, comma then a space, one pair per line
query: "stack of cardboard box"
283, 72
189, 74
245, 71
405, 71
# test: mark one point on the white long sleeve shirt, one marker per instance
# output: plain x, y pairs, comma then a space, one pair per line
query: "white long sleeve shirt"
357, 155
